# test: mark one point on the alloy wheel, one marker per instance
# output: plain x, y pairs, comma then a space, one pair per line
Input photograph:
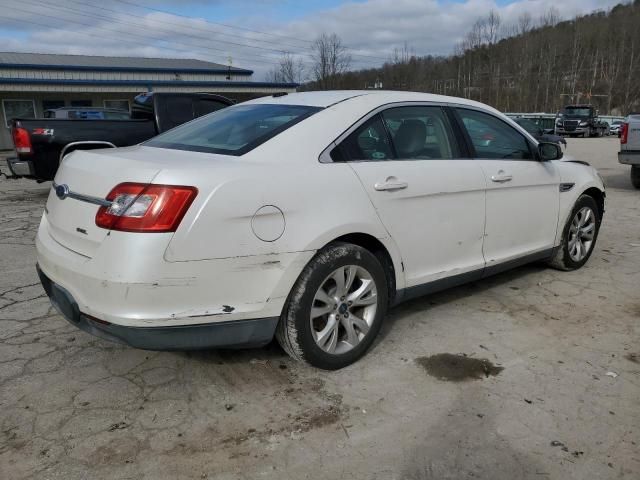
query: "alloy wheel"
581, 234
343, 309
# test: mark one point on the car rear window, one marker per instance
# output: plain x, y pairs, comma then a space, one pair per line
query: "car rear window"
235, 130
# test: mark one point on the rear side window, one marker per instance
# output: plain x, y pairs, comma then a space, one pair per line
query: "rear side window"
176, 111
234, 130
494, 139
401, 133
420, 133
203, 106
368, 142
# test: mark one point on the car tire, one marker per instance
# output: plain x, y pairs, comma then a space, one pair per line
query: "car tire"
569, 255
635, 176
304, 336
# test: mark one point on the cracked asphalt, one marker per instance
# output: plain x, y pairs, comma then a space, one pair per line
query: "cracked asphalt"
565, 406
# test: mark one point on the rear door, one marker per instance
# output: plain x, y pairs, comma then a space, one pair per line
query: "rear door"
523, 193
429, 198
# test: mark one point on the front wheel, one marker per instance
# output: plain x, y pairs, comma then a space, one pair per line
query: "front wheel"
336, 307
635, 176
579, 235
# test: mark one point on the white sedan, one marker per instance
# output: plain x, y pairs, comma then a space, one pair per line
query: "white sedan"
305, 217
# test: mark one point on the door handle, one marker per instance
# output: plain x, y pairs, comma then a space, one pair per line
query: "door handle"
501, 177
391, 183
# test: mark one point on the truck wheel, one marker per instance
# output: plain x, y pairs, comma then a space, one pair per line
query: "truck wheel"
635, 176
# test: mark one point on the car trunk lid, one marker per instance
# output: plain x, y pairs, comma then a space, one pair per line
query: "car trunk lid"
92, 175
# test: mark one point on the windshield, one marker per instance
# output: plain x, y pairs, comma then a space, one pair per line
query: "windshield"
233, 131
577, 112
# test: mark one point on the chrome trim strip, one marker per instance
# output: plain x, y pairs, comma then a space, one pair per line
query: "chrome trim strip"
83, 198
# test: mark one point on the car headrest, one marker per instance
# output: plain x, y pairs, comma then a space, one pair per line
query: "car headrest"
410, 137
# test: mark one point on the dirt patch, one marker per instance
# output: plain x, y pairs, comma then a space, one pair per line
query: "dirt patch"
458, 368
309, 420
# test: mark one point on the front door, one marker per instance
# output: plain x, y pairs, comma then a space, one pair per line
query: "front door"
430, 200
523, 193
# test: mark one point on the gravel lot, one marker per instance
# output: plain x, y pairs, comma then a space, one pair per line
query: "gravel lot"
76, 407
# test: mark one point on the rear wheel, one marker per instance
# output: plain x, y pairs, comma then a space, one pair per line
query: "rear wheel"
635, 176
335, 308
579, 235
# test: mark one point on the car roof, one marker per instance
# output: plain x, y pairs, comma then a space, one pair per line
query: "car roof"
328, 98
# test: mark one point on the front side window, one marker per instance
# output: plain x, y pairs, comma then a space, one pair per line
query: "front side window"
400, 133
235, 130
494, 139
420, 133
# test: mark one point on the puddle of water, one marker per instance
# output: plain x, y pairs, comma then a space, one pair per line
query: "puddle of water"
458, 368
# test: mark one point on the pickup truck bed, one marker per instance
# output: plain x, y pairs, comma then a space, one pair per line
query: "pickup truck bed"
41, 143
52, 138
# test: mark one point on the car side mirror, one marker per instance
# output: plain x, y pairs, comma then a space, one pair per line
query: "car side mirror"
549, 151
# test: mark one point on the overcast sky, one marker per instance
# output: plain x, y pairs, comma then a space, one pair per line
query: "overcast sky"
253, 33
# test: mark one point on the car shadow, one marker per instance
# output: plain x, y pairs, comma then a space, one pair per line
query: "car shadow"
273, 354
426, 303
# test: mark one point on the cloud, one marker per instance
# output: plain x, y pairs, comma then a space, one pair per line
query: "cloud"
372, 29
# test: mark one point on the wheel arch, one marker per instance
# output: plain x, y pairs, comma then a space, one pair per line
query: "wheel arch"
393, 270
598, 195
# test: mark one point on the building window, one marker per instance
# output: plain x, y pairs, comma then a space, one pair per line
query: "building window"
81, 103
18, 109
52, 104
117, 104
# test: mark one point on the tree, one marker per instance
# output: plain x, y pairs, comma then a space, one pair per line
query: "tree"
330, 59
290, 69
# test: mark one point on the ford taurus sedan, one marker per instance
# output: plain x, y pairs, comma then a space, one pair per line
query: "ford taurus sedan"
305, 217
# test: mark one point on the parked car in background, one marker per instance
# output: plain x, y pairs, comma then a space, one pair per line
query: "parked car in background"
580, 120
538, 133
630, 147
87, 113
616, 127
305, 216
41, 143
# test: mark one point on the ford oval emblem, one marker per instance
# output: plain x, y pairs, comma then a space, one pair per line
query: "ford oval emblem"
62, 191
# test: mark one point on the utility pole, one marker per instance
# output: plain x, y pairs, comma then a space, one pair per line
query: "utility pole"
230, 60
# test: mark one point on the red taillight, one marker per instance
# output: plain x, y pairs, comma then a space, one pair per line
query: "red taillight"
138, 207
21, 140
624, 135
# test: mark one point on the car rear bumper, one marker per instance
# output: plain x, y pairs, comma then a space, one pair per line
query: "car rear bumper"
629, 158
127, 284
20, 168
230, 334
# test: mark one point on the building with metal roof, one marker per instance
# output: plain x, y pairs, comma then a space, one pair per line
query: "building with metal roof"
31, 83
